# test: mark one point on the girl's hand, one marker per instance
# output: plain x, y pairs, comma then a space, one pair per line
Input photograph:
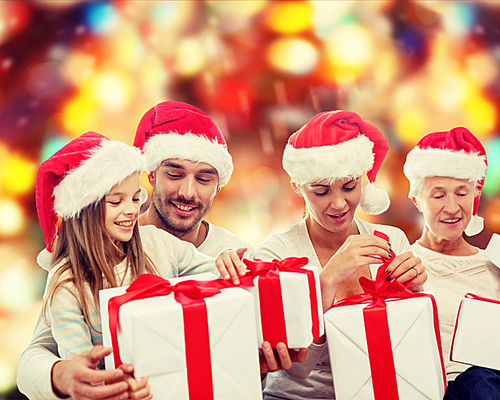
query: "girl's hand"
409, 270
137, 389
229, 264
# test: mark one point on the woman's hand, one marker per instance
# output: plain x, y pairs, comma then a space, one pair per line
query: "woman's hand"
409, 270
229, 264
356, 252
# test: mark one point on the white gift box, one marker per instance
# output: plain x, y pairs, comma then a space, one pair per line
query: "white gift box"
475, 340
152, 340
296, 301
417, 360
492, 251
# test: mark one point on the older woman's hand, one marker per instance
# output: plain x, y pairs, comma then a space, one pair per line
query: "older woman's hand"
409, 270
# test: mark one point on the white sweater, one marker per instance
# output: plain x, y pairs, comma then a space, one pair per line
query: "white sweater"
450, 278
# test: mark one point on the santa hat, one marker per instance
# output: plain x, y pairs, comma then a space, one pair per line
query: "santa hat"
335, 145
455, 154
80, 174
173, 129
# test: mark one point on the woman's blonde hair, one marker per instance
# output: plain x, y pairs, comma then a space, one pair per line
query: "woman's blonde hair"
81, 252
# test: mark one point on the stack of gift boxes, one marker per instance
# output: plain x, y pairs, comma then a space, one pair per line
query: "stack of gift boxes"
199, 338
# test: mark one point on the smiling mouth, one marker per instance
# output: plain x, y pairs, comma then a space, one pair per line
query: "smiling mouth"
451, 220
183, 207
337, 216
125, 224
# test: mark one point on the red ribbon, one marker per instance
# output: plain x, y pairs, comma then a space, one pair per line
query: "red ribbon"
377, 328
190, 294
271, 302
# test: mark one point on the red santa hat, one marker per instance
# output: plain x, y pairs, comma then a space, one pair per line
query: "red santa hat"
455, 154
173, 129
335, 145
80, 174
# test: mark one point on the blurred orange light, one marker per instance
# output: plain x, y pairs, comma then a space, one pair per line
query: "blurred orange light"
112, 90
293, 55
411, 125
292, 17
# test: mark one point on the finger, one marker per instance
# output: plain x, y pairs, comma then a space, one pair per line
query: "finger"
141, 390
270, 359
136, 385
236, 260
241, 252
109, 392
127, 368
299, 356
96, 353
95, 376
221, 266
285, 361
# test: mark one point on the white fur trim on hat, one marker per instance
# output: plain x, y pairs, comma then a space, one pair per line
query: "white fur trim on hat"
476, 225
343, 160
190, 147
424, 163
374, 201
108, 165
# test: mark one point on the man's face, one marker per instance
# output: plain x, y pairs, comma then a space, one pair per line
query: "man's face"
183, 192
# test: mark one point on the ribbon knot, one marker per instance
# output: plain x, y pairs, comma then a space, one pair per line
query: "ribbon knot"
259, 267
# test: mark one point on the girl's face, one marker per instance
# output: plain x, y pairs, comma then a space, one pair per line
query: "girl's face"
122, 206
332, 206
446, 204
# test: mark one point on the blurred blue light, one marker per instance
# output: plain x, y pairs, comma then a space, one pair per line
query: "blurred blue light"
491, 186
51, 146
100, 16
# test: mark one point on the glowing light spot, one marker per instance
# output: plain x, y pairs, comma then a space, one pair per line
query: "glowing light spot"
12, 219
292, 17
349, 51
52, 146
18, 175
479, 113
410, 124
14, 290
79, 66
458, 17
112, 90
101, 17
191, 56
80, 114
296, 56
7, 376
491, 186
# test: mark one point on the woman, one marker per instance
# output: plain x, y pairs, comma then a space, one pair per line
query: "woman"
328, 160
446, 171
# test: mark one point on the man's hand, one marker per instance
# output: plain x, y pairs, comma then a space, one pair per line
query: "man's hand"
79, 379
281, 359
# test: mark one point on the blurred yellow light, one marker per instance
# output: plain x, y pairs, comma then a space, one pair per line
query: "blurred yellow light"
80, 114
18, 175
411, 125
238, 8
292, 17
482, 68
127, 47
191, 56
7, 375
349, 50
12, 219
112, 90
153, 78
79, 66
293, 55
480, 114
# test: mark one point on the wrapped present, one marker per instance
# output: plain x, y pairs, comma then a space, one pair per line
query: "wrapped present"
385, 344
287, 296
475, 339
193, 340
492, 251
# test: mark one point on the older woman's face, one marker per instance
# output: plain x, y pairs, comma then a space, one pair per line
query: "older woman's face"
332, 205
446, 204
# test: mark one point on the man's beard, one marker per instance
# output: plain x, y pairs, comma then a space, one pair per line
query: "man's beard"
178, 228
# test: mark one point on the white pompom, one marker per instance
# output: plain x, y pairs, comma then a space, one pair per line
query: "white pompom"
476, 225
373, 200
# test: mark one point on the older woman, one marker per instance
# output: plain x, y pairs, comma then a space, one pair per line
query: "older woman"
328, 161
446, 171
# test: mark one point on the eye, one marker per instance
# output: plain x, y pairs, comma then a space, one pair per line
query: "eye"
173, 176
135, 200
115, 203
321, 193
204, 180
350, 186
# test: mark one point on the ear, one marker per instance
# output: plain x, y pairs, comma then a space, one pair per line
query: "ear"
415, 201
151, 178
296, 188
218, 190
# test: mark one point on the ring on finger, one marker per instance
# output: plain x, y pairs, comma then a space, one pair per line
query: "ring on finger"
416, 270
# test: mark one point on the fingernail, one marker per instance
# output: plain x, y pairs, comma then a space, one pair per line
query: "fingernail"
388, 279
236, 281
266, 346
387, 271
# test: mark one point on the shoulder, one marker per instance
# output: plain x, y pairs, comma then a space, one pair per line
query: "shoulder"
219, 239
397, 237
151, 236
281, 245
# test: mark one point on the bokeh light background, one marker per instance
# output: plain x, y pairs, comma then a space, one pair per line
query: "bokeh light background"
260, 69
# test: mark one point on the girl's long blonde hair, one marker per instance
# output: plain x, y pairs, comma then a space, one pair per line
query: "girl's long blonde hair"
81, 253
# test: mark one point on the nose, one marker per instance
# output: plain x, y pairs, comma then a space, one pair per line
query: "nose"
132, 208
187, 188
337, 202
451, 205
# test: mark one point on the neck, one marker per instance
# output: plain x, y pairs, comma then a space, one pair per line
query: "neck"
321, 237
196, 236
455, 247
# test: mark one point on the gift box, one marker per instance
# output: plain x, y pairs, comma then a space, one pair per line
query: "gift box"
193, 340
475, 339
287, 297
492, 251
385, 344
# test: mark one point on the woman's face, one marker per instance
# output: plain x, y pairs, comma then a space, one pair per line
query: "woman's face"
446, 204
122, 206
332, 206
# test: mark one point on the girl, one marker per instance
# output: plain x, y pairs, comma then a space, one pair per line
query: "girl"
326, 160
92, 184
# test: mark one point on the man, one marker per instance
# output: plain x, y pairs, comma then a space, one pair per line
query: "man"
188, 164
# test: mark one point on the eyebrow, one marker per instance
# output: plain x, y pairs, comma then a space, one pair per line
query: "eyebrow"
173, 164
121, 193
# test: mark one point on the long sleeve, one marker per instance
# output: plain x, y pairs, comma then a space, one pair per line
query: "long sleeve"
35, 365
